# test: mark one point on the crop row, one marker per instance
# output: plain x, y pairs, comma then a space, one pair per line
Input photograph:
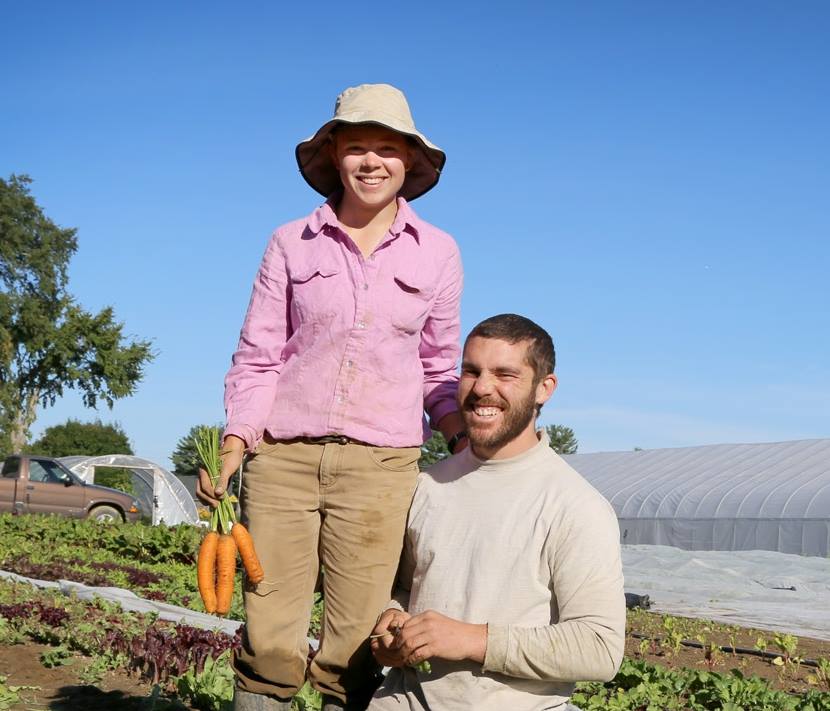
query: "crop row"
640, 686
159, 562
163, 653
154, 562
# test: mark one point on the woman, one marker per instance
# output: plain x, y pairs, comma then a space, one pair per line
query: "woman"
351, 333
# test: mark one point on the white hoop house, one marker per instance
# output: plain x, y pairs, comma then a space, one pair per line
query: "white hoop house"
772, 496
159, 492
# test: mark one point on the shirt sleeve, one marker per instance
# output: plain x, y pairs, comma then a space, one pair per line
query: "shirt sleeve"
250, 384
440, 347
403, 580
586, 642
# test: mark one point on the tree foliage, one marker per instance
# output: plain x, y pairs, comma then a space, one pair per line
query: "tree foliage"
48, 342
562, 439
75, 437
185, 458
93, 439
433, 450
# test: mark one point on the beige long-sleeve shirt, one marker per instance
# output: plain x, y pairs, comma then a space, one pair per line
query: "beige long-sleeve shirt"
527, 546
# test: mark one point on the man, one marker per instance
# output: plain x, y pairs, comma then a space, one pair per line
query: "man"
511, 583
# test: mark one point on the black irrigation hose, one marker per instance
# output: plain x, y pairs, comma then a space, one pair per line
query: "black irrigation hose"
728, 650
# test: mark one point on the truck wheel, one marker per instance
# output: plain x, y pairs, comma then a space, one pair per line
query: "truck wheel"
106, 514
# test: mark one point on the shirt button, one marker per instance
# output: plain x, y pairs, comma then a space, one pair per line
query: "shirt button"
339, 398
360, 324
349, 364
365, 286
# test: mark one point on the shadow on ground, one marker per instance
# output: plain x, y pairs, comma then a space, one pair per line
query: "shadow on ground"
91, 698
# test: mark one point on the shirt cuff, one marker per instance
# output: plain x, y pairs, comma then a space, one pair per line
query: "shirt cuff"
498, 640
246, 434
392, 605
440, 410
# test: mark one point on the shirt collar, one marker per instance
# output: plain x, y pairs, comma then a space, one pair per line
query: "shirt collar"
405, 220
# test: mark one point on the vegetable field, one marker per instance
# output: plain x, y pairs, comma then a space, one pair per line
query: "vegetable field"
125, 660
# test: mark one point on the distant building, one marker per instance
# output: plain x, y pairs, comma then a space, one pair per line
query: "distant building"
773, 496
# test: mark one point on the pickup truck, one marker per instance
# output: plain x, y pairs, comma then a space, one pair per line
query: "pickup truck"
34, 484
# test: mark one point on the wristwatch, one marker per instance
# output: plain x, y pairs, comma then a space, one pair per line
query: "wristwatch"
454, 440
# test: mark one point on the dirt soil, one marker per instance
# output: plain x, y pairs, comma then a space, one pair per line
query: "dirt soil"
647, 639
59, 689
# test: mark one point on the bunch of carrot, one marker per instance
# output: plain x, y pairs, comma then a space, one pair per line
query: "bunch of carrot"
216, 564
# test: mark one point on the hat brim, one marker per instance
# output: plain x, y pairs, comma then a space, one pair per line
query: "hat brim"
320, 173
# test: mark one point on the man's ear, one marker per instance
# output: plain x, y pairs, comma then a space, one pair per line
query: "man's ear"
545, 388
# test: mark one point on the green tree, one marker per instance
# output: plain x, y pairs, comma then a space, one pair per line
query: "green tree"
47, 341
185, 458
562, 439
433, 450
75, 437
93, 439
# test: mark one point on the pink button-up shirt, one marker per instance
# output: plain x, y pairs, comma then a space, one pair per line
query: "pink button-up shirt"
336, 343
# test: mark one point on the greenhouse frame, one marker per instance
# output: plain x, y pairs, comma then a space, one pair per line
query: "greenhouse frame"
773, 496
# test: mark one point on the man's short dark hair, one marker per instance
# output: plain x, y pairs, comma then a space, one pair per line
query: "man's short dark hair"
513, 329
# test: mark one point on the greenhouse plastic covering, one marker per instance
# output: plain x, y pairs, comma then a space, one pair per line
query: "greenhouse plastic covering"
158, 491
773, 496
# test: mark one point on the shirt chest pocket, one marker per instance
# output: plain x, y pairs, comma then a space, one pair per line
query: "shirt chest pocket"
410, 301
315, 292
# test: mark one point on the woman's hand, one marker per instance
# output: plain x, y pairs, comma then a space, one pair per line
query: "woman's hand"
233, 450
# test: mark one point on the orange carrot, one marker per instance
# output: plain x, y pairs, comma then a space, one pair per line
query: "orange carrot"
225, 572
206, 570
245, 544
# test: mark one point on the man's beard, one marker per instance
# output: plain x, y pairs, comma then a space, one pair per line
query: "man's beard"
515, 418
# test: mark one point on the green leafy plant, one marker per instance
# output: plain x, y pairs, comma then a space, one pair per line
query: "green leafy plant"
10, 696
733, 639
56, 657
307, 699
787, 643
712, 655
640, 686
212, 688
821, 677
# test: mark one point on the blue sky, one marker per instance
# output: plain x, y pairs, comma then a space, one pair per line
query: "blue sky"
647, 180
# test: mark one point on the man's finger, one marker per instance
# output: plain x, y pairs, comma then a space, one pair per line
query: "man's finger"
418, 656
408, 641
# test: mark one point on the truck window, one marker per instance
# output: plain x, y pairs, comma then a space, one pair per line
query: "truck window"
44, 471
11, 468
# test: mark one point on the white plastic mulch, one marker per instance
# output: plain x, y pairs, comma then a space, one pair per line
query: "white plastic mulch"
130, 601
773, 591
764, 589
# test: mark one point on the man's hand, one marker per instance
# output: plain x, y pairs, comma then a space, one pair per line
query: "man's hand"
233, 449
384, 637
431, 634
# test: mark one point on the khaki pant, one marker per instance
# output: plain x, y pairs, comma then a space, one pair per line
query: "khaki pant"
340, 505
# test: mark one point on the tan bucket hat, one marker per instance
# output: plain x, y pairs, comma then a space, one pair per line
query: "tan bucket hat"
381, 105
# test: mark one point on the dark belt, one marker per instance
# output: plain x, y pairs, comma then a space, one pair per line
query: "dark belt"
330, 439
325, 439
